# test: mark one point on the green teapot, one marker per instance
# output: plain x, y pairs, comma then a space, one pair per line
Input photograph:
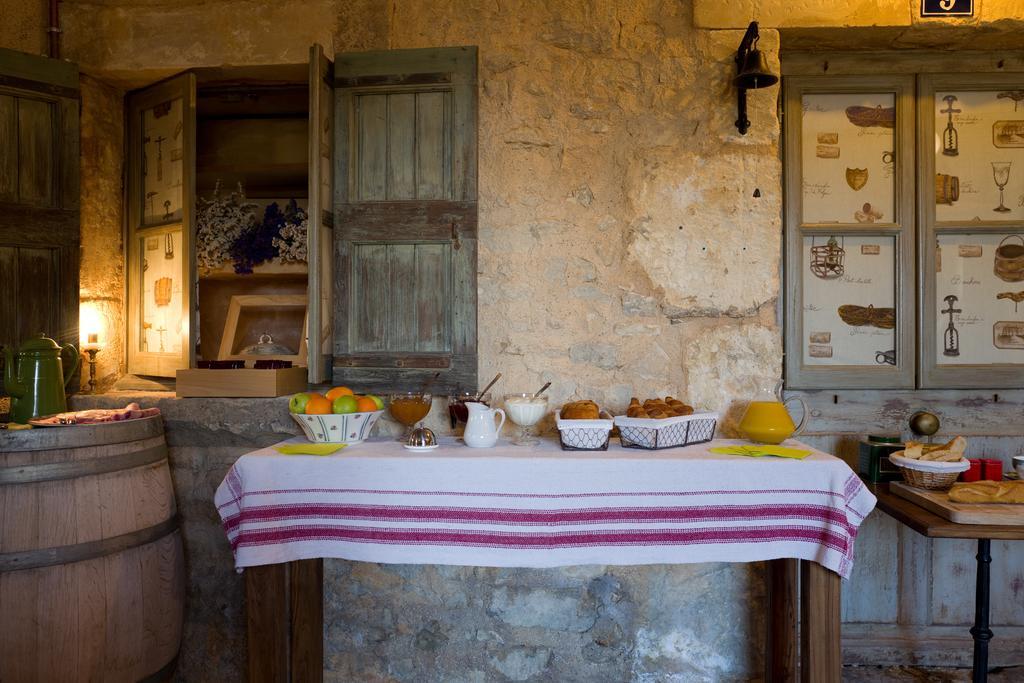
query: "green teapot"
35, 377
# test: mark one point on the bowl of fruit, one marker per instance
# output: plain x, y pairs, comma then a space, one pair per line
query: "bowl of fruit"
337, 416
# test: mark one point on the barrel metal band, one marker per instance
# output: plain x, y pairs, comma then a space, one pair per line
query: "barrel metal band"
29, 474
78, 552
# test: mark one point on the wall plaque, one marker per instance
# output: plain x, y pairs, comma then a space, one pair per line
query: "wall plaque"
947, 8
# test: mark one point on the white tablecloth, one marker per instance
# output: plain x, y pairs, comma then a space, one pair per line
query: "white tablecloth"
511, 506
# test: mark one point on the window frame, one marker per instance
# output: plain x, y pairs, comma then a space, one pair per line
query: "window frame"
903, 229
932, 374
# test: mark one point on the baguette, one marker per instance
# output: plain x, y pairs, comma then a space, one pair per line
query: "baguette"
1009, 492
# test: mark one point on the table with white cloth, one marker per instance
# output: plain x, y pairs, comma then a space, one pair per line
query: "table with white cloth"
538, 506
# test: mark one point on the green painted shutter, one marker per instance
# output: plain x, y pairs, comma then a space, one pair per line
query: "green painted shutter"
406, 219
39, 213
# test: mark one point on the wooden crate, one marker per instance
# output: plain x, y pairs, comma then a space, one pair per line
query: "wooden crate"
240, 383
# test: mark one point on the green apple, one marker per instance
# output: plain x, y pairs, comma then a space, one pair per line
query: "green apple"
297, 403
344, 405
377, 400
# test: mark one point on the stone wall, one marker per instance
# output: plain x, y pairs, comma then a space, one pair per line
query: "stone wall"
622, 250
102, 265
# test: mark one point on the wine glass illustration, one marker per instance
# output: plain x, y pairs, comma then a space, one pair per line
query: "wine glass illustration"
1001, 174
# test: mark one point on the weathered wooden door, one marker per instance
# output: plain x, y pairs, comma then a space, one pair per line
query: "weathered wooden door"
161, 208
320, 240
39, 221
406, 217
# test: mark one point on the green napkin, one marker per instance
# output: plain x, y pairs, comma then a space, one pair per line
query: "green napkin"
759, 450
309, 448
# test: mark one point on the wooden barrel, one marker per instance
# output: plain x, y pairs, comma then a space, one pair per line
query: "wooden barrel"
92, 578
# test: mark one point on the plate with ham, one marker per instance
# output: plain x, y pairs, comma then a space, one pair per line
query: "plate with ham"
97, 416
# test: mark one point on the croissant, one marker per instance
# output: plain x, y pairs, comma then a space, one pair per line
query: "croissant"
581, 410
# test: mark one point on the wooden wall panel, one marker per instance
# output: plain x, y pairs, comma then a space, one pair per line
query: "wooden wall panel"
8, 149
372, 136
433, 289
370, 288
36, 151
37, 289
433, 177
403, 294
401, 143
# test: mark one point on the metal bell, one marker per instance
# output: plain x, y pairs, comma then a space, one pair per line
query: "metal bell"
755, 72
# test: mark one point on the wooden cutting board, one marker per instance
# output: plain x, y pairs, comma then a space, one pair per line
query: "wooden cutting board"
961, 513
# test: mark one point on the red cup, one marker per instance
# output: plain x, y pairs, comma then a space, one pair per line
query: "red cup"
974, 473
992, 469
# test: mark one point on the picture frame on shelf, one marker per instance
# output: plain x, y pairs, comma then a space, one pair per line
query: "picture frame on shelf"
253, 317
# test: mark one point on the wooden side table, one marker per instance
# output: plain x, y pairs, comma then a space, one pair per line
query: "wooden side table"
931, 525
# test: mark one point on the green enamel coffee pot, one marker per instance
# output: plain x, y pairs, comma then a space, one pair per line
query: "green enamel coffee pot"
35, 377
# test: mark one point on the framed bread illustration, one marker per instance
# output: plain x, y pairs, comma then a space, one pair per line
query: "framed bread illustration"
849, 300
979, 155
848, 157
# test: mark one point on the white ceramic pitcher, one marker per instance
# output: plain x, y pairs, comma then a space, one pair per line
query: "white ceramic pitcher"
481, 432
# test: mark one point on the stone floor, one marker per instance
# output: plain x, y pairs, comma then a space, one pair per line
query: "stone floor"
907, 674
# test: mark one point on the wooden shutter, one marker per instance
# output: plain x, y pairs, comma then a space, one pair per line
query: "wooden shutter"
320, 237
39, 217
406, 217
161, 209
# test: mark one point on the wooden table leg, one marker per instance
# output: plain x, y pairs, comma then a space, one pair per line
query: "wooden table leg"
307, 620
820, 646
285, 616
781, 664
266, 610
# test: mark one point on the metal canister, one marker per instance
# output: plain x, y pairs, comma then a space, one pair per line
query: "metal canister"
874, 452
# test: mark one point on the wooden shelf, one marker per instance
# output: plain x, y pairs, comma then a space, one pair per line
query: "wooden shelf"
271, 269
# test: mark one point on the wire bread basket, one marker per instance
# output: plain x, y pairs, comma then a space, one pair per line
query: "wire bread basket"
671, 432
585, 435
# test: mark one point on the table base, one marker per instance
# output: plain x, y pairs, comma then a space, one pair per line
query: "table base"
284, 612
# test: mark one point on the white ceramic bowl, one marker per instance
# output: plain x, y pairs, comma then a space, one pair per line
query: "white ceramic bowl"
349, 428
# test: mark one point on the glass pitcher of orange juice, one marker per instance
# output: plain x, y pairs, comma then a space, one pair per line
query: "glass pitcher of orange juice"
766, 419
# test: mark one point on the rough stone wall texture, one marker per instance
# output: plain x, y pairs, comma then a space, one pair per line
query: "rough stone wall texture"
102, 264
23, 25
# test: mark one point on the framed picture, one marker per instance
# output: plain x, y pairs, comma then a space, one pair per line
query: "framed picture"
162, 130
972, 194
850, 232
972, 197
160, 206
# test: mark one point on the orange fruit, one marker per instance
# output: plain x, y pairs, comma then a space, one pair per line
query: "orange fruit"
318, 405
338, 391
365, 404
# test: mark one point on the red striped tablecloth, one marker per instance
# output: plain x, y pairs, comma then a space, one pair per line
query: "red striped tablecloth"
540, 507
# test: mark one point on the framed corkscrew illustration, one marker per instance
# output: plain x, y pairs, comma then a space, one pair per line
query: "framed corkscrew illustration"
850, 231
971, 188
